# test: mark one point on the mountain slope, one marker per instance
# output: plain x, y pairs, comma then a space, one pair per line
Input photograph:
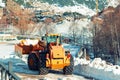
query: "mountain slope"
89, 3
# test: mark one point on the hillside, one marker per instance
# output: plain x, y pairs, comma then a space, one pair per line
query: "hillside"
88, 3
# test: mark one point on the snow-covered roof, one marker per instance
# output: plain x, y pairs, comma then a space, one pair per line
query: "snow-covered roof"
2, 4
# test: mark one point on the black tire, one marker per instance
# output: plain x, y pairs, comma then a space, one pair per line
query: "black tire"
68, 70
34, 64
43, 70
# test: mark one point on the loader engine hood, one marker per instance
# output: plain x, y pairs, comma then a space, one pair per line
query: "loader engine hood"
57, 51
58, 57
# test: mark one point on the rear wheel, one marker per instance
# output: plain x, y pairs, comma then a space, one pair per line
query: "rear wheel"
69, 69
32, 61
43, 70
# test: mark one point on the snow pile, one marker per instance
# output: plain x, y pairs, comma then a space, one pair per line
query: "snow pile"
97, 68
81, 61
98, 63
109, 67
29, 42
116, 70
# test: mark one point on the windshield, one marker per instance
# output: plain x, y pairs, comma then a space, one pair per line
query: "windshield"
51, 39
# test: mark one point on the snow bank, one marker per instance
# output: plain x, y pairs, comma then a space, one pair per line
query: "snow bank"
97, 68
98, 63
78, 61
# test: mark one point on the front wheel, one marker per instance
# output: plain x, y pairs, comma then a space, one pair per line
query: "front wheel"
43, 70
69, 69
32, 61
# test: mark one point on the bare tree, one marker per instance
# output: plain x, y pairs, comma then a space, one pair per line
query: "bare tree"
107, 38
73, 29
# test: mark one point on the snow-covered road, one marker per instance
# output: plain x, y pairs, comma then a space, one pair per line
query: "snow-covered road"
21, 69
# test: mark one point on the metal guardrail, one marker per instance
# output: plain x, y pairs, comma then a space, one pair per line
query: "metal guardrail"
7, 73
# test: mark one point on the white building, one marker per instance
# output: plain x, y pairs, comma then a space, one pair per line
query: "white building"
2, 4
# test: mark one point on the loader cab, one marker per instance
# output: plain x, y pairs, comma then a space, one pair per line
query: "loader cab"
52, 38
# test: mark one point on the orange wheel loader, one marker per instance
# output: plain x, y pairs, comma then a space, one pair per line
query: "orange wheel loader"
47, 54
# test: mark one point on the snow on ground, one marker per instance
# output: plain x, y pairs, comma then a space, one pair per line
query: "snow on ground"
97, 68
52, 76
21, 69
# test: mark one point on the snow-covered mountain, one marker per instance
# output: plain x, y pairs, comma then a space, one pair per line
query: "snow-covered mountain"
113, 3
88, 3
71, 5
81, 6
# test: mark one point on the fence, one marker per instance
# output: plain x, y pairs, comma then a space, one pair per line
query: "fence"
7, 73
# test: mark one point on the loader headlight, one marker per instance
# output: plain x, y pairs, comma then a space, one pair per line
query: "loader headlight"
62, 46
67, 52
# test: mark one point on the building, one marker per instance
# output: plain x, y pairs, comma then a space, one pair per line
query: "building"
2, 4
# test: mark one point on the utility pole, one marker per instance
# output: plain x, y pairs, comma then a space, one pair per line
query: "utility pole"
96, 6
